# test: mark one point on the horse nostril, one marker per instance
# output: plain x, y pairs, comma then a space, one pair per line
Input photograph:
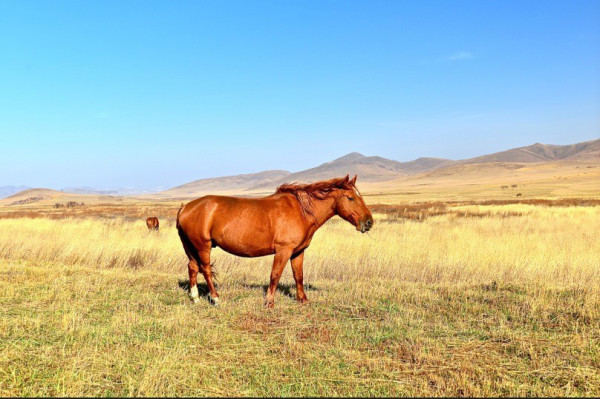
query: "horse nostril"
369, 223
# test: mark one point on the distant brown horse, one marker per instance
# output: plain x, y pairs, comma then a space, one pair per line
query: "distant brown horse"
282, 224
152, 223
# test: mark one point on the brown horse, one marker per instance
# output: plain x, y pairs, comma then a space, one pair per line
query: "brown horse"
152, 223
282, 224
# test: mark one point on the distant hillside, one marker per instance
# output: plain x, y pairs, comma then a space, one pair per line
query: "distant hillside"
44, 196
6, 191
32, 195
369, 169
542, 152
227, 183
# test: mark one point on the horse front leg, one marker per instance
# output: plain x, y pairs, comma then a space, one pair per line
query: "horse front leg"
282, 255
297, 262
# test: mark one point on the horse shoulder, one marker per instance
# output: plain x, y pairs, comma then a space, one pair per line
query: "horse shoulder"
288, 223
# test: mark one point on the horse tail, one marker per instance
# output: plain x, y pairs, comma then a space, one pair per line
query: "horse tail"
178, 212
188, 247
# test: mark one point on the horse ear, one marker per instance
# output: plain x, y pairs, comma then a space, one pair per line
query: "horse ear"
353, 181
346, 179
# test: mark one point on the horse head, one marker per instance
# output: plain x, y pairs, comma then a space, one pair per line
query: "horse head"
350, 205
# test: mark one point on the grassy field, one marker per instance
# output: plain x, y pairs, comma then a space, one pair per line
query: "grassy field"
445, 298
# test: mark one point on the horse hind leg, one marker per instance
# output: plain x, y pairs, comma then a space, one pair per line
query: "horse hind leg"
193, 267
206, 270
193, 272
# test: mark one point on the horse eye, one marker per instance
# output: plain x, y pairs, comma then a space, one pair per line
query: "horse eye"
351, 198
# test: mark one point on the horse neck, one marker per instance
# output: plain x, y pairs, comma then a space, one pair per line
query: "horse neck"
323, 209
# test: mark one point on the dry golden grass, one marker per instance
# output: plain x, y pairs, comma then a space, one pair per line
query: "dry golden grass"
467, 299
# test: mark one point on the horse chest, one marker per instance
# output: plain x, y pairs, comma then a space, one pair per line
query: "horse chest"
303, 245
305, 242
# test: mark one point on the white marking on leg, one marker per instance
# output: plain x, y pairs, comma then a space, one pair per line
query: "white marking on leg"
194, 292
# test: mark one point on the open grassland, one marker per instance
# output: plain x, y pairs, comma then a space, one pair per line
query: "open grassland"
447, 298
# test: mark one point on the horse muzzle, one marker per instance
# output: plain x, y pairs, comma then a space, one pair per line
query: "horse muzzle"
365, 225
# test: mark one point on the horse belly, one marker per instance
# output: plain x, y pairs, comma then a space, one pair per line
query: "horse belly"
240, 240
244, 250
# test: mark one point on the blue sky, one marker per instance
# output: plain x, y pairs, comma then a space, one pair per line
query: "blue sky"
158, 93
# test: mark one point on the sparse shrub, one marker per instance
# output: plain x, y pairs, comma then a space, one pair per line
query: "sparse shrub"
136, 260
29, 199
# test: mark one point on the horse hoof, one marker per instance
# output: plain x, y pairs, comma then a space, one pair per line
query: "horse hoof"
270, 304
214, 301
302, 300
195, 299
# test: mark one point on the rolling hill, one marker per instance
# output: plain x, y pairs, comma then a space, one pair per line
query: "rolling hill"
7, 191
45, 196
226, 184
542, 153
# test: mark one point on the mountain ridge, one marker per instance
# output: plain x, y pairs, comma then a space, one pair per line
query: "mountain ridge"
539, 152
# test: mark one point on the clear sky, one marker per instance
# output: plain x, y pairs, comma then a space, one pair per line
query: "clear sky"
158, 93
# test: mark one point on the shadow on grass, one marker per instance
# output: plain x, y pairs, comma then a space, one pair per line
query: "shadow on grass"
284, 289
185, 285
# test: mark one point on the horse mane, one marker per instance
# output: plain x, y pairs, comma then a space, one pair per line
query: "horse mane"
305, 193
